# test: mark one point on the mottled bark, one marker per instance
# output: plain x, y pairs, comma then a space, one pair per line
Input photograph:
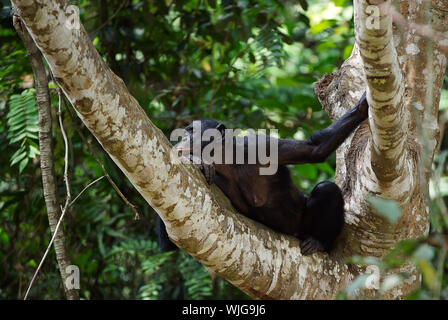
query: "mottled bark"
46, 153
391, 155
373, 25
201, 221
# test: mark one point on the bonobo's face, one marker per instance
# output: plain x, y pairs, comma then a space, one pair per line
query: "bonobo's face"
194, 133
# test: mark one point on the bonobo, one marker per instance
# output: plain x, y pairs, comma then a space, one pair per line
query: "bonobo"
273, 199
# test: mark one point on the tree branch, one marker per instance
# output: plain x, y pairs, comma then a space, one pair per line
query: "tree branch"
46, 159
387, 118
106, 174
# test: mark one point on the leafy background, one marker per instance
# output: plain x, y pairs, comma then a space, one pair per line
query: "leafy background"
249, 64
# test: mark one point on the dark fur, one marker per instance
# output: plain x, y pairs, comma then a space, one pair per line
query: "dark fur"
274, 200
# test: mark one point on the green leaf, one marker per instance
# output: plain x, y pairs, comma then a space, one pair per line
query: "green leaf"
18, 156
425, 252
32, 128
4, 238
321, 26
324, 166
339, 3
116, 234
101, 244
348, 51
444, 99
429, 273
364, 261
389, 209
325, 46
357, 284
33, 152
22, 121
268, 103
19, 137
23, 164
32, 263
287, 82
307, 171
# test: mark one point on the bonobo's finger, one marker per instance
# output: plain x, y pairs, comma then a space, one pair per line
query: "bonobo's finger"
304, 246
208, 170
310, 246
364, 105
308, 249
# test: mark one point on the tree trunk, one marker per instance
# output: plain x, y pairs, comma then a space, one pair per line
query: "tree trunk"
388, 156
46, 155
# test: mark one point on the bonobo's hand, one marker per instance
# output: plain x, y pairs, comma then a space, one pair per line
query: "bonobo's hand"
363, 106
310, 245
208, 170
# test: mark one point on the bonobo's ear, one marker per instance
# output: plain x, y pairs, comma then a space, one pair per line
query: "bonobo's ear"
221, 128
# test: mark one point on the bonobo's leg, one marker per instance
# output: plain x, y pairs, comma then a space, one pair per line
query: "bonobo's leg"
164, 241
323, 219
324, 142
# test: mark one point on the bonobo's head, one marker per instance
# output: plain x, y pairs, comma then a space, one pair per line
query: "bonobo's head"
196, 133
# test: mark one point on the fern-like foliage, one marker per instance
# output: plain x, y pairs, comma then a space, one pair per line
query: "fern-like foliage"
268, 48
196, 279
23, 127
161, 269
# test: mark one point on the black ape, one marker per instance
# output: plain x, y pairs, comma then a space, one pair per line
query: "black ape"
274, 200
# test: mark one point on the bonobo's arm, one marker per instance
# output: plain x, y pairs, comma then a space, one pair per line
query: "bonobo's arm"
322, 143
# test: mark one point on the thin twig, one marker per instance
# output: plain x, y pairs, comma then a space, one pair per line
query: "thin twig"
90, 147
64, 135
109, 19
86, 187
67, 186
64, 210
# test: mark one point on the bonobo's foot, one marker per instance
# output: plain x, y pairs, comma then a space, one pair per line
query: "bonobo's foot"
208, 170
310, 246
